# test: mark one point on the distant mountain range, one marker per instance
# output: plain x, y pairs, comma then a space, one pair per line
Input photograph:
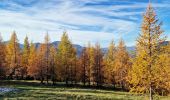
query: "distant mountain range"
55, 44
79, 48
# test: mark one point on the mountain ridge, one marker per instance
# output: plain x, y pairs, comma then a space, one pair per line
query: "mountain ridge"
79, 48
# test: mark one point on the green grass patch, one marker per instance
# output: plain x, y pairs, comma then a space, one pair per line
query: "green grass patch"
28, 92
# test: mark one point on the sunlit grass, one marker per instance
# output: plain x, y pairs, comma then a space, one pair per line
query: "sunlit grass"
63, 93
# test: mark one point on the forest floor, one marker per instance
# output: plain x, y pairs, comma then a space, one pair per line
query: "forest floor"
31, 90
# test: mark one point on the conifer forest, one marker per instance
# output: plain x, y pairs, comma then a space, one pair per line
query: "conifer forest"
143, 72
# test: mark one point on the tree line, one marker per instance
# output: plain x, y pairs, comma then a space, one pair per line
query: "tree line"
146, 72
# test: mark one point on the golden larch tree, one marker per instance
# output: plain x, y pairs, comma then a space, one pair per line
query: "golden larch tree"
2, 59
65, 53
90, 64
13, 56
25, 57
41, 63
53, 64
109, 60
98, 69
122, 64
146, 66
84, 65
32, 61
47, 52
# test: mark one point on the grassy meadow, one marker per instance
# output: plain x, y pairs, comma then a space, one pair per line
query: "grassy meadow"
31, 90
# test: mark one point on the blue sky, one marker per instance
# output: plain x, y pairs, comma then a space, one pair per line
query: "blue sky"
85, 20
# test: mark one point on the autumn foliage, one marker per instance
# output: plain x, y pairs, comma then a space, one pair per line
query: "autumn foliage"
146, 72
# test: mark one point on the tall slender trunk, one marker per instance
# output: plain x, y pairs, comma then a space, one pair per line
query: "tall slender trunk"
42, 79
89, 72
84, 73
53, 74
66, 74
150, 89
89, 76
47, 64
15, 58
75, 72
70, 75
150, 64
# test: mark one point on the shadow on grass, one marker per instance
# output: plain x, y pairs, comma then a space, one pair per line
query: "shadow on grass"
35, 90
57, 85
52, 96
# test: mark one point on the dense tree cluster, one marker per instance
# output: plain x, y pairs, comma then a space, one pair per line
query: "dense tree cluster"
146, 72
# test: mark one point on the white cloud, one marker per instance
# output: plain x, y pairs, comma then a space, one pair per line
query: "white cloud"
56, 16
